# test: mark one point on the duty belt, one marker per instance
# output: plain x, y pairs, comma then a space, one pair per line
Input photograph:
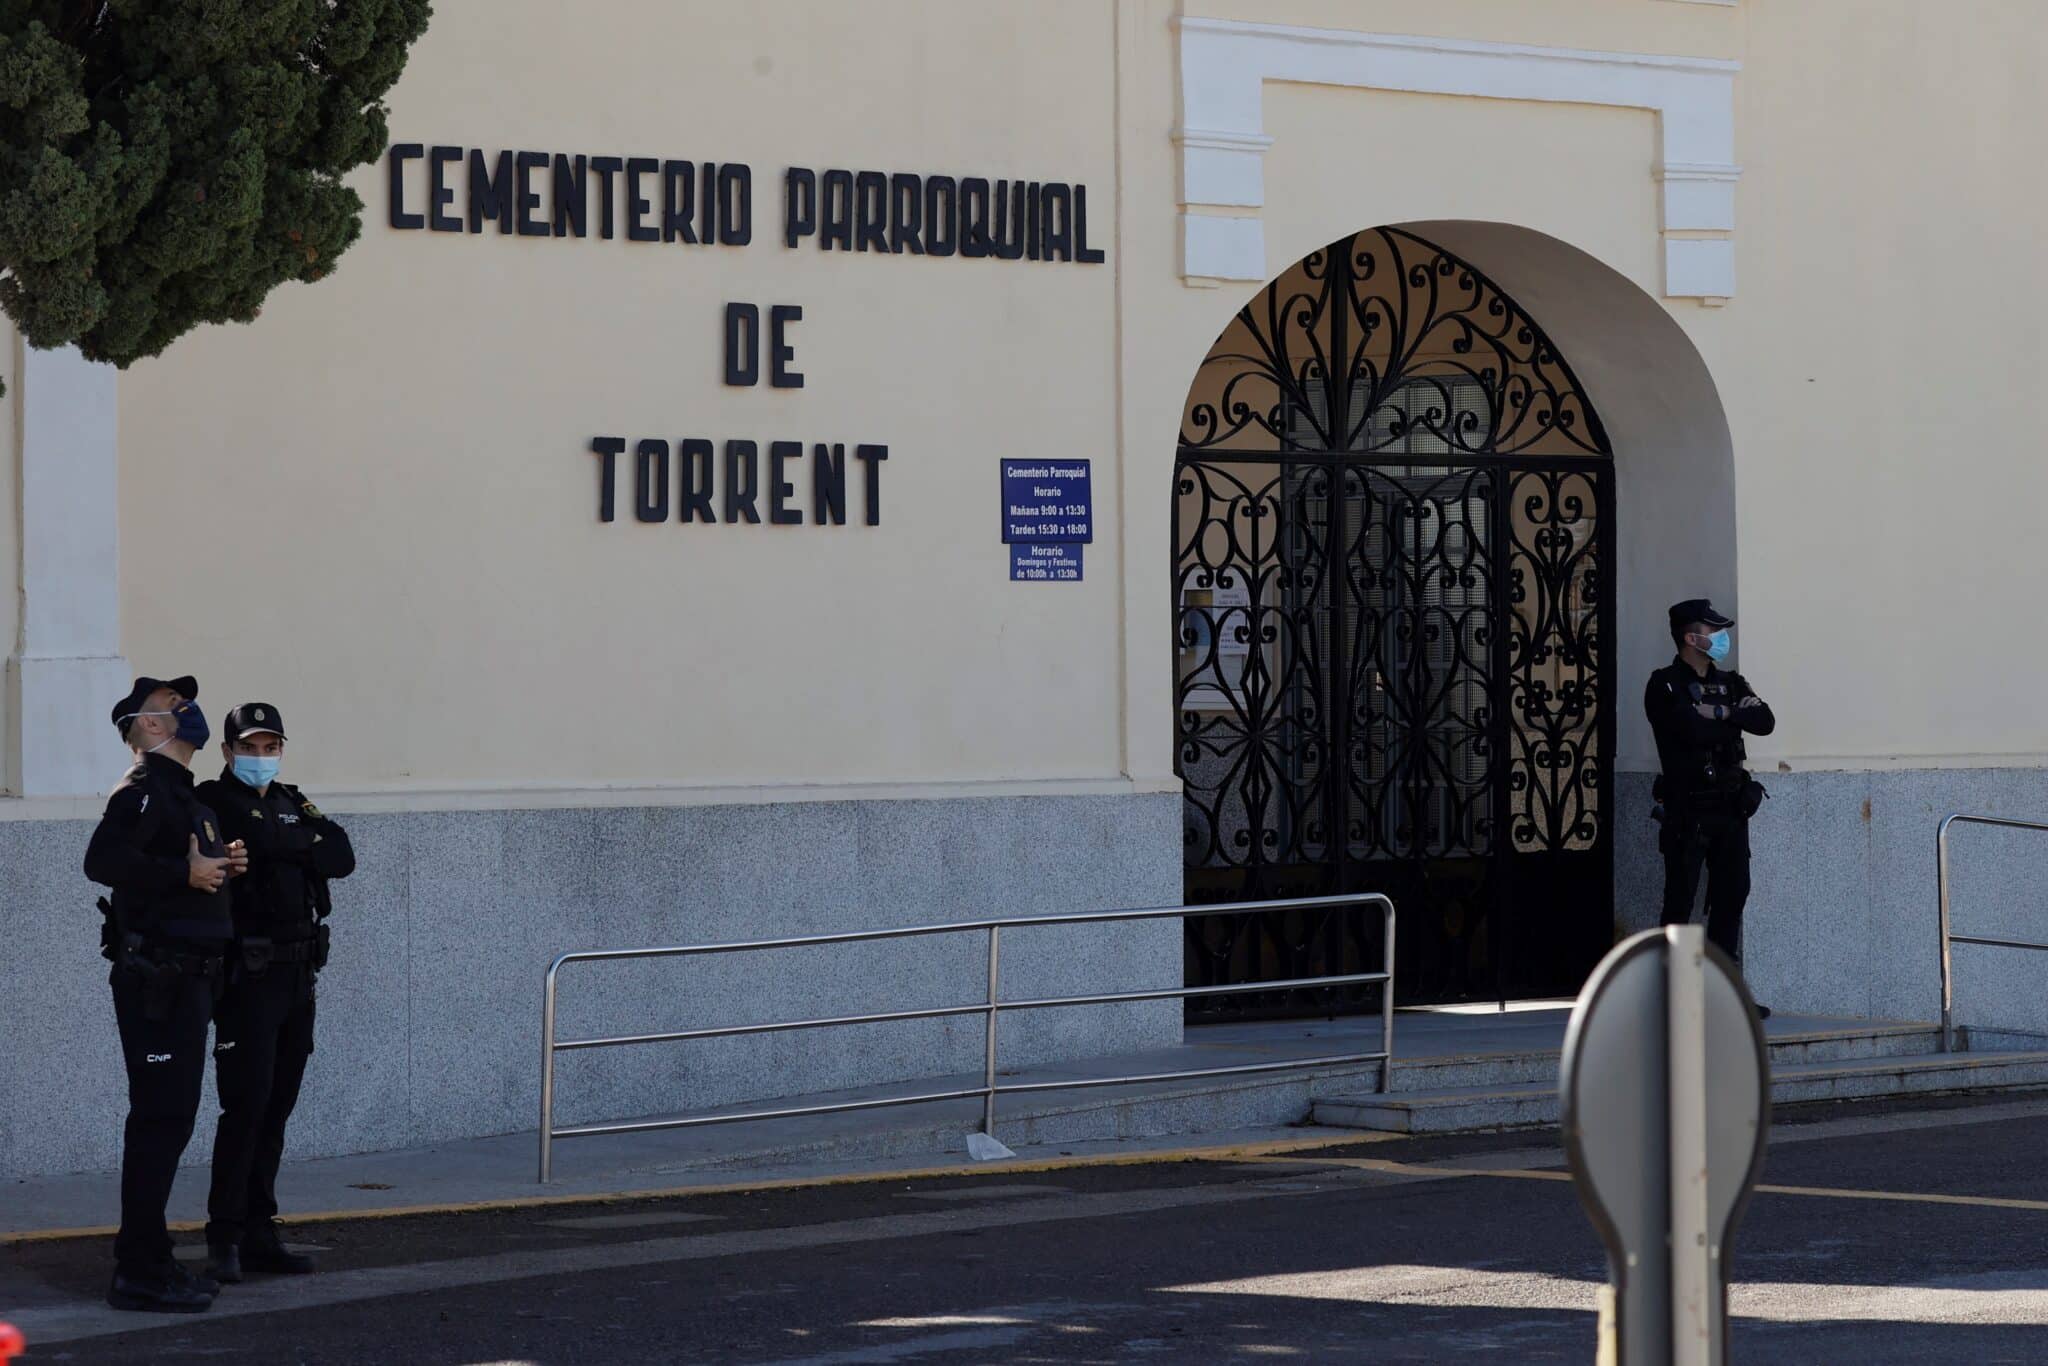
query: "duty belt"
173, 960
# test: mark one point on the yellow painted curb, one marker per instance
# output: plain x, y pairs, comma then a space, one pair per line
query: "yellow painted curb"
1227, 1152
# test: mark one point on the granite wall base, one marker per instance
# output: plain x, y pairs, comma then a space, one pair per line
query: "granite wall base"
429, 1013
1842, 919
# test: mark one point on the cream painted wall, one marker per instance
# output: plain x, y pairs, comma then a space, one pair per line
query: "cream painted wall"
1884, 375
411, 436
1342, 160
1599, 25
1575, 172
1886, 330
383, 489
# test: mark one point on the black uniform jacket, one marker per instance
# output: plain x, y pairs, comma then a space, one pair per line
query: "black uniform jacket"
290, 842
140, 850
1699, 755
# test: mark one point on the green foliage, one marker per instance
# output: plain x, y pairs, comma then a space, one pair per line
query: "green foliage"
166, 163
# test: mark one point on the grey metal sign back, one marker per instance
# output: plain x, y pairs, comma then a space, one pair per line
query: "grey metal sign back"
1664, 1090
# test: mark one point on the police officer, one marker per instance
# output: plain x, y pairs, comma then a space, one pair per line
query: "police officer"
1699, 714
162, 852
263, 1028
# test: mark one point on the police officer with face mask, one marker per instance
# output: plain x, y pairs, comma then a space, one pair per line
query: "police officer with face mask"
161, 849
263, 1029
1699, 714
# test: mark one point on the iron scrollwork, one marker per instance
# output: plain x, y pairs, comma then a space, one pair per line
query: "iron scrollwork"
1390, 596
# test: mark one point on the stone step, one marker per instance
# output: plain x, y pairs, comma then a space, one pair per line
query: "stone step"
1496, 1070
1842, 1045
1527, 1104
1935, 1074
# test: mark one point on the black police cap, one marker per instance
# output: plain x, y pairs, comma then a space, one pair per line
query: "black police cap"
251, 718
186, 686
1684, 614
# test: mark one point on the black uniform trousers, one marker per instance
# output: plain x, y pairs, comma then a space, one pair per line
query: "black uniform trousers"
263, 1034
1710, 836
166, 1061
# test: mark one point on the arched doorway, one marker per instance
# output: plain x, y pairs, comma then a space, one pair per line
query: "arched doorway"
1393, 531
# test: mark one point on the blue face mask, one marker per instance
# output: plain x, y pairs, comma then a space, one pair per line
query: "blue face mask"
192, 727
1717, 646
256, 771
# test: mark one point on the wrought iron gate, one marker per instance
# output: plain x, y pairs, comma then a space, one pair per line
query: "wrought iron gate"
1392, 530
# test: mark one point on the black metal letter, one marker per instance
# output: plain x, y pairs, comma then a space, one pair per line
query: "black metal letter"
871, 211
402, 152
490, 196
780, 490
526, 197
974, 217
1059, 222
905, 214
735, 204
440, 194
1007, 228
872, 457
799, 204
742, 363
780, 376
606, 168
607, 448
742, 458
678, 195
828, 484
837, 212
572, 195
650, 480
1081, 251
941, 215
638, 229
694, 503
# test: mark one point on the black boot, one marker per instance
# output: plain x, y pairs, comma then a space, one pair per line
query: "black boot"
157, 1290
263, 1250
202, 1281
224, 1263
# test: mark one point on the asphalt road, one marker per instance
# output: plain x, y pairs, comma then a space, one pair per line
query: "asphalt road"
1913, 1235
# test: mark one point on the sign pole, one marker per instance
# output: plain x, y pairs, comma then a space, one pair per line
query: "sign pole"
1686, 1041
1664, 1100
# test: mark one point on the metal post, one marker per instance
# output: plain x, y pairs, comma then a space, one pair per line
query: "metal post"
547, 1075
1692, 1281
1387, 1007
1948, 999
988, 1073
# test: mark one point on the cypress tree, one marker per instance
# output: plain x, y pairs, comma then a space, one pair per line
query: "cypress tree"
166, 163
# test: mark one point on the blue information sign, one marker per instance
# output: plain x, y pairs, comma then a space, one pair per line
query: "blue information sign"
1046, 501
1045, 561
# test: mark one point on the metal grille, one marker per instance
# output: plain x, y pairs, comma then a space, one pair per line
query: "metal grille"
1391, 570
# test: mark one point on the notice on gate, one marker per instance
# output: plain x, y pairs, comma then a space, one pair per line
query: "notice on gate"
1052, 562
1046, 502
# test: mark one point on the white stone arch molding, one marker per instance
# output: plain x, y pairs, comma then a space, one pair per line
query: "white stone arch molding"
1224, 65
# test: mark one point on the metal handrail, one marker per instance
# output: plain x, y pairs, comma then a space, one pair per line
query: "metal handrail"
1948, 986
991, 1009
